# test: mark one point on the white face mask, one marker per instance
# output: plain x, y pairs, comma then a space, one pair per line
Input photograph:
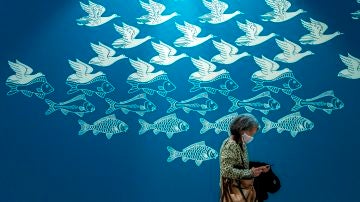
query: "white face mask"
247, 138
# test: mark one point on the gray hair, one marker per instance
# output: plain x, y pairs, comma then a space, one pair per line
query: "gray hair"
244, 121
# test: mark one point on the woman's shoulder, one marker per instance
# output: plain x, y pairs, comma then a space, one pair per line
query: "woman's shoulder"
229, 143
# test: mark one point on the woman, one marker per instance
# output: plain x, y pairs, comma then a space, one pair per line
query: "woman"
236, 179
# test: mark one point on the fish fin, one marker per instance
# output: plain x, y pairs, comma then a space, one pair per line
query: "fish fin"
137, 97
265, 111
156, 131
162, 93
148, 91
126, 111
324, 94
96, 132
206, 125
40, 95
293, 133
101, 94
249, 109
173, 154
134, 86
84, 127
81, 114
328, 111
184, 159
27, 93
258, 86
169, 134
186, 109
196, 86
64, 111
51, 106
261, 95
201, 112
12, 90
312, 108
218, 130
268, 124
297, 101
140, 113
88, 92
287, 91
76, 98
111, 105
108, 135
145, 126
198, 162
280, 130
210, 90
273, 89
224, 92
172, 104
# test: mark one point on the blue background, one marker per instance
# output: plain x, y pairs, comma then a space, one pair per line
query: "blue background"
43, 158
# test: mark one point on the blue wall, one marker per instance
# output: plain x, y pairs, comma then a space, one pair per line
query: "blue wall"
44, 159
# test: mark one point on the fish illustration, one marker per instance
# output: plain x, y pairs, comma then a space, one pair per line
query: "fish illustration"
108, 125
326, 101
27, 83
262, 102
86, 81
198, 152
169, 124
294, 123
77, 105
138, 104
286, 82
200, 103
220, 125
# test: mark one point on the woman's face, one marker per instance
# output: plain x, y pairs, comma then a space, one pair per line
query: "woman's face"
252, 131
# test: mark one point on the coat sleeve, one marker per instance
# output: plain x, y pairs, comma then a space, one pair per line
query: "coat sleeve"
228, 162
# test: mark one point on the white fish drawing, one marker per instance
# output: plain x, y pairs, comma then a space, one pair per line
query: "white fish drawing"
217, 14
95, 12
326, 101
353, 67
279, 13
220, 125
209, 79
294, 123
252, 37
190, 38
108, 125
169, 125
138, 104
291, 52
86, 81
316, 35
78, 105
155, 11
106, 55
129, 34
228, 53
167, 54
27, 83
262, 102
148, 81
198, 152
200, 103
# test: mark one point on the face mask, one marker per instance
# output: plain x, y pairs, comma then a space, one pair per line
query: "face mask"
247, 138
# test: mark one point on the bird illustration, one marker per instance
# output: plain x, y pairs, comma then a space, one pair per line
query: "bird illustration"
105, 55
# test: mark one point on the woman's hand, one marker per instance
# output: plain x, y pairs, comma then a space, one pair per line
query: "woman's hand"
256, 171
265, 169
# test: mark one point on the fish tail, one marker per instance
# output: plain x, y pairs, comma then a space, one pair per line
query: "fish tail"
259, 86
234, 104
173, 154
206, 125
172, 103
73, 89
51, 106
13, 89
84, 127
134, 86
297, 101
145, 126
268, 124
196, 86
111, 105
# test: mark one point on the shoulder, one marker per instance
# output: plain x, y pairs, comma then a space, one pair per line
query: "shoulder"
229, 144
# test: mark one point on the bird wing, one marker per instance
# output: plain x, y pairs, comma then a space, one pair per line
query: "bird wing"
20, 69
288, 47
266, 65
163, 49
204, 66
93, 10
80, 68
225, 48
102, 50
351, 63
321, 27
142, 67
190, 31
127, 31
158, 8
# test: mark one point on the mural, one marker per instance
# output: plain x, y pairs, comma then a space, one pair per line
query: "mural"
182, 74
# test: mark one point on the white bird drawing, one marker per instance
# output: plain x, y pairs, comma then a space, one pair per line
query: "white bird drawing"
144, 71
129, 39
83, 72
291, 52
279, 13
166, 54
94, 18
228, 53
154, 16
269, 69
353, 67
217, 15
252, 37
190, 38
316, 35
105, 56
